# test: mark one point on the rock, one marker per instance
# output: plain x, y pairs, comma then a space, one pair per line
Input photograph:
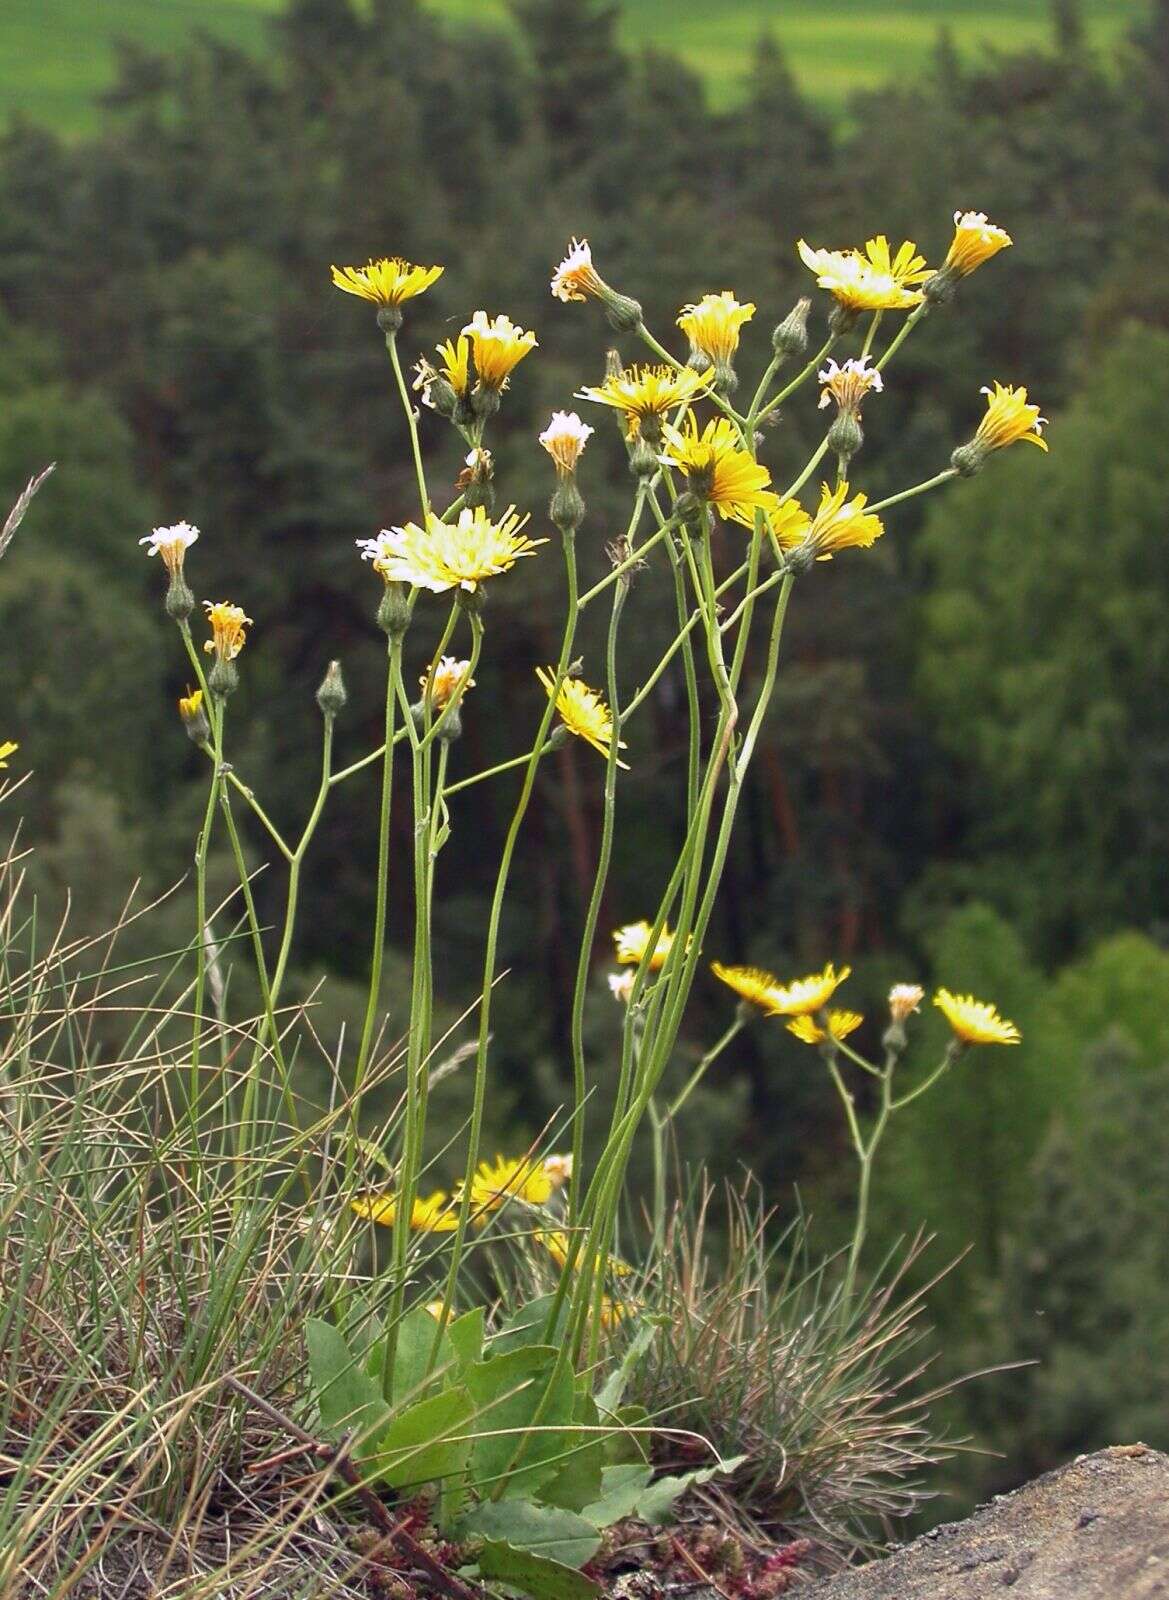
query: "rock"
1097, 1529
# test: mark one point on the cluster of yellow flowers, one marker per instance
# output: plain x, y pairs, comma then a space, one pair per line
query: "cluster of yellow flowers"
492, 1186
804, 1000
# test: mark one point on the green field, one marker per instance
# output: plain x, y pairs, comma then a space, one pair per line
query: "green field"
55, 55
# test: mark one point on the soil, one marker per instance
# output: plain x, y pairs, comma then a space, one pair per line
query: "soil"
1097, 1529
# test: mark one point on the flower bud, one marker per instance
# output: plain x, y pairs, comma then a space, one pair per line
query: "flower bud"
393, 615
180, 602
845, 436
194, 717
223, 678
969, 459
623, 313
567, 507
332, 695
643, 458
791, 336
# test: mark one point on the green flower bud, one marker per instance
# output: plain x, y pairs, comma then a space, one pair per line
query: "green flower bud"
332, 695
623, 313
643, 460
791, 336
393, 614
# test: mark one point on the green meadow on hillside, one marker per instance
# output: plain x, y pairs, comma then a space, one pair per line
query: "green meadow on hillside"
58, 54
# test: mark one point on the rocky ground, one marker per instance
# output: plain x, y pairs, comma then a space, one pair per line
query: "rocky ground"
1097, 1529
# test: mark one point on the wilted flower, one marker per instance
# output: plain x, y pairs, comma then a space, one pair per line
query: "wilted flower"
449, 555
171, 544
498, 346
558, 1169
905, 998
807, 995
712, 326
644, 394
621, 985
753, 984
632, 943
582, 711
576, 278
433, 1213
193, 716
227, 623
717, 468
565, 438
839, 1025
975, 1021
450, 678
386, 282
849, 384
975, 241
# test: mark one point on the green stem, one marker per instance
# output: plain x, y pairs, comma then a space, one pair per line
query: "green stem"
393, 675
623, 567
801, 377
366, 761
918, 488
411, 422
491, 772
296, 860
242, 789
911, 321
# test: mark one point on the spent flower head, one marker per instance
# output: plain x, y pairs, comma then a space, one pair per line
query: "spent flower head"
227, 623
450, 555
171, 544
583, 711
848, 385
451, 677
904, 999
975, 1021
564, 439
621, 985
576, 278
387, 281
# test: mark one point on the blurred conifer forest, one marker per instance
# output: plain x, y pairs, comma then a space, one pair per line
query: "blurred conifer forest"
965, 765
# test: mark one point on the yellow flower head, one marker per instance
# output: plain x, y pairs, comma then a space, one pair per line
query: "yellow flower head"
171, 544
856, 283
974, 1021
433, 1213
555, 1241
496, 1182
641, 392
565, 438
787, 522
905, 268
712, 326
632, 943
576, 278
451, 555
905, 998
191, 705
582, 711
848, 385
718, 469
841, 524
1009, 417
386, 282
498, 346
975, 241
227, 623
450, 678
8, 748
455, 362
753, 984
840, 1025
808, 995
